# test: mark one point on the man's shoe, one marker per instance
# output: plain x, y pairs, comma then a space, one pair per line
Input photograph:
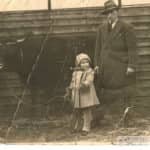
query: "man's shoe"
84, 133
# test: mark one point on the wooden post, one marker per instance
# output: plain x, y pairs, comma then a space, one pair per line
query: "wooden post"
49, 4
119, 3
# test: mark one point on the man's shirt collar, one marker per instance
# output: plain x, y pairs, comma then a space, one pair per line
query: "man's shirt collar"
114, 23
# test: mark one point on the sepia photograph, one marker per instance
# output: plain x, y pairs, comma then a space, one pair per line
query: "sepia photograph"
75, 72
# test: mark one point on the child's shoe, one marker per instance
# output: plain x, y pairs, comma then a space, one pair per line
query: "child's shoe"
73, 131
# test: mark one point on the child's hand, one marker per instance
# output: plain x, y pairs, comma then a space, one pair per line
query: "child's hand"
83, 86
67, 95
96, 69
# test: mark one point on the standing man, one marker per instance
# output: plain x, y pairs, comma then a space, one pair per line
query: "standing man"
115, 58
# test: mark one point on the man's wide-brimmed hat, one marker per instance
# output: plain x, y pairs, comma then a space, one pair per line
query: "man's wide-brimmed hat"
109, 6
80, 57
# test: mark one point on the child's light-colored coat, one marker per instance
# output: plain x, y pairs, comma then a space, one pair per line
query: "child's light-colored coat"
83, 90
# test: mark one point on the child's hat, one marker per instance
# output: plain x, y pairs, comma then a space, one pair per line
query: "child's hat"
80, 57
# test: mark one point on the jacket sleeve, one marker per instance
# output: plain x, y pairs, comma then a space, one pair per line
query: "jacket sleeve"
89, 79
72, 80
97, 48
131, 46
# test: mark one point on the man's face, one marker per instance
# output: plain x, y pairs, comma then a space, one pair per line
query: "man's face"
112, 15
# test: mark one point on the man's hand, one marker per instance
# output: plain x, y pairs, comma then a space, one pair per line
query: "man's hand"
130, 70
96, 69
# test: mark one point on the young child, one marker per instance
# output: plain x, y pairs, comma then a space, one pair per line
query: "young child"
83, 94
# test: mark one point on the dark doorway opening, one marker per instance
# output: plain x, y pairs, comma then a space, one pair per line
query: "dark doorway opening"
52, 74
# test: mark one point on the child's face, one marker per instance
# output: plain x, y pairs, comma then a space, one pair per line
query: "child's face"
84, 64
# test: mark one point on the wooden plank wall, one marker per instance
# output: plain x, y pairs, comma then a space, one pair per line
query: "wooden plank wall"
11, 89
84, 22
66, 22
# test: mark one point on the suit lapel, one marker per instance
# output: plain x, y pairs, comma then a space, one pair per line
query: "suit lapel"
106, 33
115, 30
108, 36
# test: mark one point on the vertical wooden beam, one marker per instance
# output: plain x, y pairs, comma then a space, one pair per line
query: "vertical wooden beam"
119, 3
49, 4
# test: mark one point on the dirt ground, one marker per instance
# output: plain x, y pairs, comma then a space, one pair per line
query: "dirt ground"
55, 130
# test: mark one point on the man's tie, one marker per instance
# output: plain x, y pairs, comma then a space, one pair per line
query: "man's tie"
109, 27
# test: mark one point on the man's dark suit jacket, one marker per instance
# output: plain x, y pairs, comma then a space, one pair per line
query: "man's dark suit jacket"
115, 51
